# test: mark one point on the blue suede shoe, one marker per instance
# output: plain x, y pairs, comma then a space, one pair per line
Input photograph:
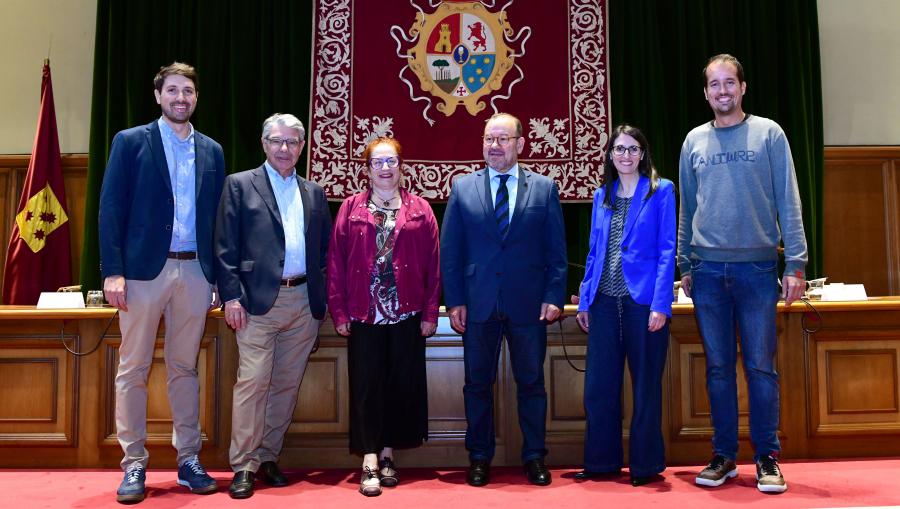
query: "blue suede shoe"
192, 475
131, 491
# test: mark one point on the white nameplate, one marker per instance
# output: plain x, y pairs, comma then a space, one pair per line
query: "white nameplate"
61, 300
683, 298
841, 292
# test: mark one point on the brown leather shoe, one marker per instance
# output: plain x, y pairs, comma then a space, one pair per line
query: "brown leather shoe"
271, 474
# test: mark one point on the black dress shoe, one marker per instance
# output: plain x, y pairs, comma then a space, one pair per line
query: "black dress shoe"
479, 473
271, 475
584, 475
640, 480
241, 485
537, 473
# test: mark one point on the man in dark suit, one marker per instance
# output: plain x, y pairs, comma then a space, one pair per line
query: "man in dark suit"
503, 260
157, 210
271, 239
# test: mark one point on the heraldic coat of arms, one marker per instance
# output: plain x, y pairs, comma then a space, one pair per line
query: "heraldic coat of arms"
461, 54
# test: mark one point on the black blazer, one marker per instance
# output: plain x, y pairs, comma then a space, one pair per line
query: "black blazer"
249, 242
136, 203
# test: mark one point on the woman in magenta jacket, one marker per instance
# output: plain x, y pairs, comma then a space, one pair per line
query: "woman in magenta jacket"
383, 293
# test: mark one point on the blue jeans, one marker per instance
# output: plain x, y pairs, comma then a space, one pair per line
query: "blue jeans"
746, 293
618, 331
481, 349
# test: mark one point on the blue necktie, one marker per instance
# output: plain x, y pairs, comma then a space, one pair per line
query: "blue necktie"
501, 206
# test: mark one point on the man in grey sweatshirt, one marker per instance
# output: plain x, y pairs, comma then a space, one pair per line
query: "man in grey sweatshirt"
738, 200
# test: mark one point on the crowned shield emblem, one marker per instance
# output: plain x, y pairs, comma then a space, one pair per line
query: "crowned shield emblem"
461, 54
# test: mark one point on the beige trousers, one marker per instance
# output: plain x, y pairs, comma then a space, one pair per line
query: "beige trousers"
273, 349
182, 295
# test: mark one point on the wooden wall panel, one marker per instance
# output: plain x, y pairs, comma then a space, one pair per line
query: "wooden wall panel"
324, 392
30, 389
855, 384
861, 217
446, 376
38, 380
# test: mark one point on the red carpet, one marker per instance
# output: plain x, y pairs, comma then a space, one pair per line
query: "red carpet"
865, 483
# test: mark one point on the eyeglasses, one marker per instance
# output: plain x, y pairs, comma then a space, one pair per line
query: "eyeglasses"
634, 150
390, 162
292, 143
502, 140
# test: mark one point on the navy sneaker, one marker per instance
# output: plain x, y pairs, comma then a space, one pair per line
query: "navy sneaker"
131, 491
192, 475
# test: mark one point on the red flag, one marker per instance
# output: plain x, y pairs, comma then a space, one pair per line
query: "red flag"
38, 258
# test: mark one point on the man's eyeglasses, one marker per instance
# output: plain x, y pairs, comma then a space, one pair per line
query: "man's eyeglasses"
502, 140
292, 143
390, 162
634, 150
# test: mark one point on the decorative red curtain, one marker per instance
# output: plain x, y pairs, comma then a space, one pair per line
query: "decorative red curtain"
430, 73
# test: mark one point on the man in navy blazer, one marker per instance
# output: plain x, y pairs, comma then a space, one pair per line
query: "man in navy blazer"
157, 211
503, 263
271, 242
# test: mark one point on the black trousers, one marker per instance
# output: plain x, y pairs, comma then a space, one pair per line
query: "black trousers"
388, 389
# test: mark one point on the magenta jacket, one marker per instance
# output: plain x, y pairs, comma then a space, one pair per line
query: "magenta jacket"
351, 256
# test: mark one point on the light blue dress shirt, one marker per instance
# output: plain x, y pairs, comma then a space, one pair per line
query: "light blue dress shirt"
512, 185
180, 158
290, 206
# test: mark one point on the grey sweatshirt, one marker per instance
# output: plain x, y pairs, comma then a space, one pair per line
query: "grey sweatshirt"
737, 185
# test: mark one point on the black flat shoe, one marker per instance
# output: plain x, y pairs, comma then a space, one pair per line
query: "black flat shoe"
640, 480
271, 474
241, 485
479, 473
537, 473
585, 475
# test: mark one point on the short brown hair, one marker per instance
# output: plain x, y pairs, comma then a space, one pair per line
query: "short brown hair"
174, 68
728, 59
387, 140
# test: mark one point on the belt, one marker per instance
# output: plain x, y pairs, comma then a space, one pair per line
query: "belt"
182, 255
294, 281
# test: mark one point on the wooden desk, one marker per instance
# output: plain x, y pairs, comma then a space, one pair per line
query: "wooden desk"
840, 392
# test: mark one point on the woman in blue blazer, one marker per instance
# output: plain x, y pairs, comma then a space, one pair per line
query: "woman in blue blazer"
625, 303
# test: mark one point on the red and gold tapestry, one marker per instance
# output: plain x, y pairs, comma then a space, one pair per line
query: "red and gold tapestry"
430, 72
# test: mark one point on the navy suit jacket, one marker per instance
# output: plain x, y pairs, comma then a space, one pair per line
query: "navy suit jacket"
524, 269
648, 246
250, 242
137, 204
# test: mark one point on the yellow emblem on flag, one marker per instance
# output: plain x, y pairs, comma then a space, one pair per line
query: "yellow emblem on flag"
42, 214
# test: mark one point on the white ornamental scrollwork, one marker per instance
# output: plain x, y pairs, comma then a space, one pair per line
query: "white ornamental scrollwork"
548, 140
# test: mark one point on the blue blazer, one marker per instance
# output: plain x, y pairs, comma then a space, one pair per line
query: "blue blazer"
250, 242
136, 203
648, 246
525, 268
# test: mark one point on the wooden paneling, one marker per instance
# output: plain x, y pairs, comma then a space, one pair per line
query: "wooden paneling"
840, 393
30, 385
12, 178
861, 217
855, 382
37, 381
445, 374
